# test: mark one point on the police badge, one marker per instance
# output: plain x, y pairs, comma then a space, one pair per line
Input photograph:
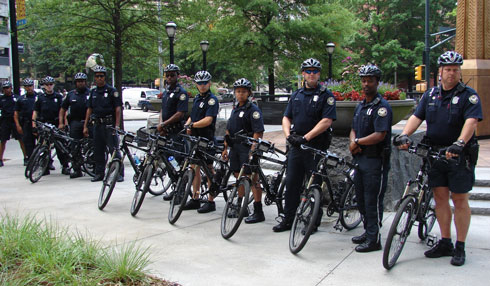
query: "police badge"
473, 99
256, 115
382, 112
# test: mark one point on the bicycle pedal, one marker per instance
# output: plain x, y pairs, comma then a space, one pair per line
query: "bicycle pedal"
431, 240
338, 226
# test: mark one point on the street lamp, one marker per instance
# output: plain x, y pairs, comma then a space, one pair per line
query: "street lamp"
204, 48
330, 49
171, 28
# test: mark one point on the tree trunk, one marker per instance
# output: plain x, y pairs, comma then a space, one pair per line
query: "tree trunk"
118, 55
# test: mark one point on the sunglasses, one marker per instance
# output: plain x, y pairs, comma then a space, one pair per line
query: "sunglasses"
312, 71
99, 76
49, 83
170, 75
202, 82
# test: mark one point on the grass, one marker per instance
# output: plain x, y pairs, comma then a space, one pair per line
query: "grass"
40, 252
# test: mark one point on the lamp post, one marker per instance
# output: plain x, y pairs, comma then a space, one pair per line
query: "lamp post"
171, 28
330, 49
204, 48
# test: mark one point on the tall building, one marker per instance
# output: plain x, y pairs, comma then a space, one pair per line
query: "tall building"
5, 70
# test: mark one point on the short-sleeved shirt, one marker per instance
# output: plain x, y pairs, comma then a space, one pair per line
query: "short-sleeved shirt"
76, 104
48, 106
7, 105
25, 105
104, 100
247, 117
204, 106
307, 107
447, 112
371, 117
174, 100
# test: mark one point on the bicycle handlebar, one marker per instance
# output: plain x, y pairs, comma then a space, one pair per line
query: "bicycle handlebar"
329, 156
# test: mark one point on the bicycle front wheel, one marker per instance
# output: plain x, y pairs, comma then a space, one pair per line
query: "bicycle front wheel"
350, 217
305, 219
109, 182
429, 215
399, 232
39, 164
141, 189
235, 208
88, 165
182, 192
160, 181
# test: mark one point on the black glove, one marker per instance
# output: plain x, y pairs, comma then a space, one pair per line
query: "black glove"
296, 140
401, 140
456, 148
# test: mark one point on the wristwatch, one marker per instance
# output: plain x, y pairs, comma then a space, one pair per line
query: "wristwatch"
356, 141
461, 142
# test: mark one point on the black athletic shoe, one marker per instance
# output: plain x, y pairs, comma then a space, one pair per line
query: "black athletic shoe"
26, 160
1, 163
97, 178
255, 217
368, 246
207, 207
76, 175
459, 257
283, 226
51, 167
192, 204
360, 238
168, 196
65, 171
441, 249
120, 179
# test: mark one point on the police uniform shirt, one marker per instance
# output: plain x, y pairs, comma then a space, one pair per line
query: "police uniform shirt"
7, 105
447, 112
308, 106
103, 101
204, 106
247, 117
48, 106
173, 101
374, 116
76, 103
25, 105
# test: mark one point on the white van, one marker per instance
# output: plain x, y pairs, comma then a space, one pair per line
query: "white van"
131, 96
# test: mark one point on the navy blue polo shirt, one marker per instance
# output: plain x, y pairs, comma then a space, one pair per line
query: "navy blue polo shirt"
174, 100
25, 105
48, 106
203, 106
374, 116
307, 107
76, 103
104, 100
446, 113
247, 117
7, 105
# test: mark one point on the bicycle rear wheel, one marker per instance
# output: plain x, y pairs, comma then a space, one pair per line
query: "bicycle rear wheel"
160, 181
399, 232
235, 208
429, 216
182, 192
39, 164
350, 217
109, 182
27, 171
305, 219
141, 189
88, 165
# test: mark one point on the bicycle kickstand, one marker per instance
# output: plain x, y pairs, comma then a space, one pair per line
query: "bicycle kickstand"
338, 226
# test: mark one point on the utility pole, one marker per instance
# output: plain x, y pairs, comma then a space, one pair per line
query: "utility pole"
14, 45
160, 49
427, 44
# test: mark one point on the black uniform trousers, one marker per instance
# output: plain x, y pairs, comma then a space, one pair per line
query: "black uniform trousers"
76, 132
27, 137
104, 138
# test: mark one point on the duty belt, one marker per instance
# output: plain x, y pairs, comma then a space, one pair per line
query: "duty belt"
103, 120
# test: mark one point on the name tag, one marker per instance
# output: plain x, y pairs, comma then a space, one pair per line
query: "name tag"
432, 103
241, 114
105, 94
201, 105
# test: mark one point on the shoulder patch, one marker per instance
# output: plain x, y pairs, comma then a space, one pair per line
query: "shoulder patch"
473, 99
116, 94
182, 97
212, 101
331, 101
256, 115
382, 112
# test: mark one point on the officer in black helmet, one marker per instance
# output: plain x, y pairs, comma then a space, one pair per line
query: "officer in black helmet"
75, 104
7, 123
370, 145
23, 117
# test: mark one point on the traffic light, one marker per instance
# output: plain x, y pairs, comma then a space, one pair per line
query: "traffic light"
418, 72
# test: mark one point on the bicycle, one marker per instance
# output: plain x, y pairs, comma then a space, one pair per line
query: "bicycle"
198, 154
237, 204
417, 204
341, 193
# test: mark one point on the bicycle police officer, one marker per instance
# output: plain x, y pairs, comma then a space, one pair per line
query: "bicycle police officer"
46, 109
23, 117
246, 117
104, 108
174, 107
452, 111
310, 112
7, 122
370, 138
202, 123
76, 105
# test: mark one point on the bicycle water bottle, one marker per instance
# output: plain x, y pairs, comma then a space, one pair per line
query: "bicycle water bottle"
173, 162
137, 160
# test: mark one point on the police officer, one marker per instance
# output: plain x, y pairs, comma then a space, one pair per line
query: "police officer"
452, 111
174, 107
202, 123
245, 117
76, 105
23, 117
7, 123
104, 107
47, 109
310, 112
370, 146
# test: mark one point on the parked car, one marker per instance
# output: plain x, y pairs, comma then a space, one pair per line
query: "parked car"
145, 104
132, 96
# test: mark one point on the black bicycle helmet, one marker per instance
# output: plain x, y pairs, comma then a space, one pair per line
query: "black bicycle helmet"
243, 82
370, 70
202, 76
27, 82
172, 68
42, 81
311, 63
6, 84
97, 69
80, 76
450, 58
49, 79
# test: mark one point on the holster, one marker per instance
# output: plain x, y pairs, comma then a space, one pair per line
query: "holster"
472, 152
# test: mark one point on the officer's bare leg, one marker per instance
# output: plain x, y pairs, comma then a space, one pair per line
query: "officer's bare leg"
462, 215
2, 149
22, 147
443, 210
196, 183
256, 189
210, 198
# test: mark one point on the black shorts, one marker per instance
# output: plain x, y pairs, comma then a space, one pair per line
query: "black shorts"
238, 156
454, 175
8, 129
